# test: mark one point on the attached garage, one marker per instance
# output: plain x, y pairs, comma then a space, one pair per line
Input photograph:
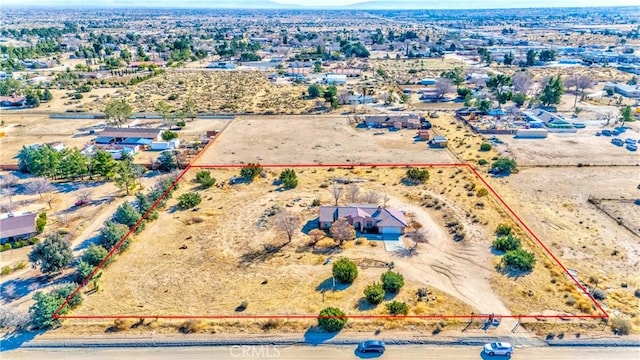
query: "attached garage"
391, 230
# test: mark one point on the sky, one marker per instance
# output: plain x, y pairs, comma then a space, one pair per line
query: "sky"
404, 4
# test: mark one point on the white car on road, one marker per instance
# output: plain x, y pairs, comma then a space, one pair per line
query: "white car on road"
498, 348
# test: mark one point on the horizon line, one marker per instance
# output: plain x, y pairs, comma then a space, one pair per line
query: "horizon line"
351, 7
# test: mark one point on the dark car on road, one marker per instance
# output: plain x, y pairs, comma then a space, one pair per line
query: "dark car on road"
371, 346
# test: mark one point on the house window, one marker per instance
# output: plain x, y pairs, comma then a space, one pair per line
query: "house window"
369, 224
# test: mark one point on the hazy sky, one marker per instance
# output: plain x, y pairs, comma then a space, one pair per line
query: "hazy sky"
424, 4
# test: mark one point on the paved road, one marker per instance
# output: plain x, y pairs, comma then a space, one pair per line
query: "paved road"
322, 352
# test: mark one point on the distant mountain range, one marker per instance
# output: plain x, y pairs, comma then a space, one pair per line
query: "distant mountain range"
268, 4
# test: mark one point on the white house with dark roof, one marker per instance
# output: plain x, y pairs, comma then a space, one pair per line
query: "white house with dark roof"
366, 218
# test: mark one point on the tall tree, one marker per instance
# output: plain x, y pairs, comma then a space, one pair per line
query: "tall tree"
103, 164
531, 57
580, 82
52, 254
443, 87
455, 75
39, 186
117, 112
336, 192
73, 164
165, 111
124, 176
552, 91
499, 86
522, 82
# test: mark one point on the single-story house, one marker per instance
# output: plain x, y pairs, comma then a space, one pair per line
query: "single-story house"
113, 135
409, 121
13, 100
366, 218
15, 226
335, 79
359, 99
630, 91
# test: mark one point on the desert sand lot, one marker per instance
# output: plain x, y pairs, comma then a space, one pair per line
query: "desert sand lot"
24, 128
319, 140
582, 147
207, 262
553, 201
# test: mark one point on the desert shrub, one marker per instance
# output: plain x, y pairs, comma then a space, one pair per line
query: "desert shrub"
397, 308
21, 265
332, 319
482, 162
192, 326
189, 200
169, 135
570, 300
417, 176
181, 123
203, 177
503, 230
41, 221
374, 293
506, 243
345, 271
272, 324
503, 166
482, 192
485, 147
7, 247
392, 281
251, 171
599, 294
519, 259
289, 179
620, 326
436, 330
122, 324
315, 202
6, 270
172, 97
637, 293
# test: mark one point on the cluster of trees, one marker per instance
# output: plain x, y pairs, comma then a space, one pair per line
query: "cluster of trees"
356, 49
391, 282
515, 257
251, 171
330, 93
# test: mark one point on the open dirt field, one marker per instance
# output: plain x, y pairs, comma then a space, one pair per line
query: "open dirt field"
316, 139
582, 147
554, 203
210, 260
24, 128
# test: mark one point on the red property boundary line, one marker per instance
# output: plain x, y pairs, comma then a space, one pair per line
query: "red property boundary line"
603, 315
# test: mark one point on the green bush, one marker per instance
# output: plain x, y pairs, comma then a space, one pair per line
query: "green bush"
251, 171
332, 319
41, 221
482, 162
417, 176
181, 123
599, 294
506, 243
169, 135
6, 270
503, 166
392, 281
289, 179
203, 177
345, 271
7, 247
519, 259
503, 230
94, 254
189, 200
397, 308
485, 147
374, 293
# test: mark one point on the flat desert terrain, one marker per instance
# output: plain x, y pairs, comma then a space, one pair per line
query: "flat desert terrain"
316, 140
